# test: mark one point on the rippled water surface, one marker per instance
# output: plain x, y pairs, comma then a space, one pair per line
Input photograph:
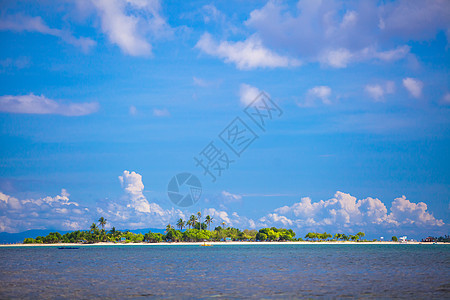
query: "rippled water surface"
269, 271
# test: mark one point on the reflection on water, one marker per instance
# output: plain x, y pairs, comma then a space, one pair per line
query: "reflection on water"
271, 271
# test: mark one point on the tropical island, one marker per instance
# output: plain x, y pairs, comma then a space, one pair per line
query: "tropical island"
191, 230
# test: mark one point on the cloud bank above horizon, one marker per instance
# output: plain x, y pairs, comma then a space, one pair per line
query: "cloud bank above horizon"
133, 210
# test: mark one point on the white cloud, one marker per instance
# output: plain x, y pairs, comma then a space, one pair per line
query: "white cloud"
415, 19
341, 58
161, 112
32, 104
134, 210
405, 212
218, 215
229, 197
21, 23
344, 212
337, 34
378, 91
321, 93
392, 55
134, 187
249, 54
233, 220
275, 219
414, 86
375, 91
338, 58
248, 93
128, 22
48, 212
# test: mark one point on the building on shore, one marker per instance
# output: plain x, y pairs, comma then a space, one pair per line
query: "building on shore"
429, 239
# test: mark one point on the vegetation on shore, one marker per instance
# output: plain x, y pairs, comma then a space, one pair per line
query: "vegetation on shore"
196, 231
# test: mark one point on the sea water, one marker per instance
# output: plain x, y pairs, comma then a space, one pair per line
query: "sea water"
229, 271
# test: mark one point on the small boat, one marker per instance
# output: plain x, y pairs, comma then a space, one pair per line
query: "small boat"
205, 244
68, 248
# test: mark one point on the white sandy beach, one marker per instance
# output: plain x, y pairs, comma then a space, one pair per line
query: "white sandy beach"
214, 243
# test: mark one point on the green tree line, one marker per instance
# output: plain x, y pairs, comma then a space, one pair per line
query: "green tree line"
316, 236
192, 230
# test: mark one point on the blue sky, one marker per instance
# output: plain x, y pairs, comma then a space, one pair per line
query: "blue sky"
102, 102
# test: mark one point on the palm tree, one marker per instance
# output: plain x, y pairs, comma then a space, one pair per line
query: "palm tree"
199, 218
114, 233
168, 228
192, 221
326, 235
181, 224
360, 234
311, 235
93, 227
208, 221
338, 236
102, 222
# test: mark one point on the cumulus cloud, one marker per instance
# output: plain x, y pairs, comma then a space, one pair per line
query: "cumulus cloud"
414, 20
337, 34
276, 219
248, 54
321, 93
21, 23
344, 212
413, 86
56, 212
134, 210
32, 104
219, 215
133, 186
233, 220
378, 91
337, 58
248, 93
405, 212
128, 22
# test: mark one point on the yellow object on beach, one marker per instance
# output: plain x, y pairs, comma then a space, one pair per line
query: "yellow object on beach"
205, 244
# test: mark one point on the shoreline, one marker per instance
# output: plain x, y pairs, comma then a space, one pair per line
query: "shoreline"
216, 244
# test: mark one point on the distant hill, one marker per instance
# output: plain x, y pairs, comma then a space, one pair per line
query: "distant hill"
12, 238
